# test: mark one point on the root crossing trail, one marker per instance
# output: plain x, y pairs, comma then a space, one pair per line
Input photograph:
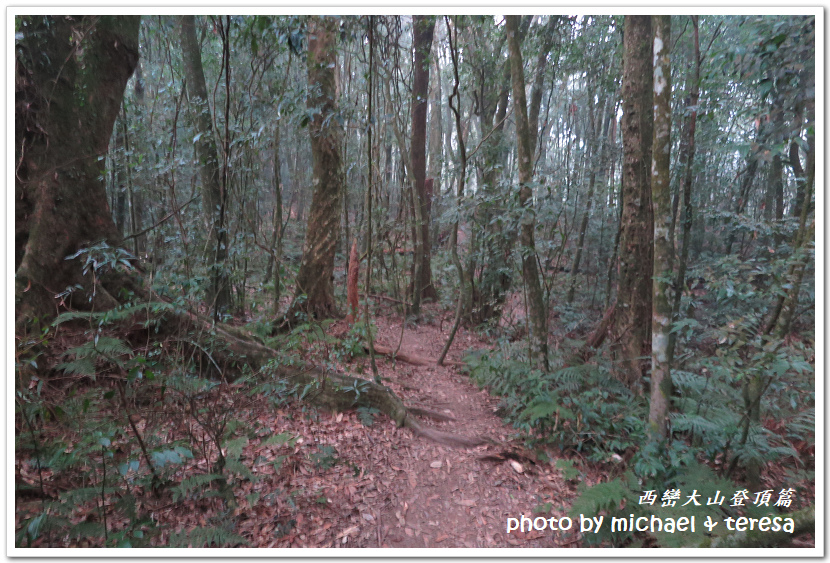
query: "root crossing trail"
421, 494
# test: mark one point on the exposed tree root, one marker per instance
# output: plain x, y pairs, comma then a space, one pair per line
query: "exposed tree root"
329, 390
343, 392
420, 411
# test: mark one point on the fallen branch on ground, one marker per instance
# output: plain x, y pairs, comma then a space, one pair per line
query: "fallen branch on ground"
392, 299
412, 359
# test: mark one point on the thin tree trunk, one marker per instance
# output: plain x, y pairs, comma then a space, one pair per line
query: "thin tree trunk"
661, 387
538, 314
798, 171
589, 198
688, 218
119, 173
371, 172
780, 320
496, 267
213, 196
462, 179
275, 259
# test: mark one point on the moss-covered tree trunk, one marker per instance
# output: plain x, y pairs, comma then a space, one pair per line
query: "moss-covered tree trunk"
661, 197
214, 196
70, 76
536, 301
633, 318
314, 295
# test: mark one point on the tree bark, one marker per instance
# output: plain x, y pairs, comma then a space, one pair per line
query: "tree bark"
61, 202
688, 161
275, 258
633, 320
214, 197
780, 320
314, 295
496, 267
536, 302
589, 197
423, 28
455, 98
661, 197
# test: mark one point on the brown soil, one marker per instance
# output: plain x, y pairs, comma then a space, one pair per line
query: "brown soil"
425, 495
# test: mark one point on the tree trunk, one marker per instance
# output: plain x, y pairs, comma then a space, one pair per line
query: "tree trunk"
119, 176
455, 98
746, 185
436, 155
780, 320
633, 321
539, 81
214, 197
314, 295
589, 197
536, 302
423, 28
61, 201
798, 172
496, 267
687, 160
661, 198
275, 258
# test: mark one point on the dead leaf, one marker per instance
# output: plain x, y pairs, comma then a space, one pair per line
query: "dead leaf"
348, 532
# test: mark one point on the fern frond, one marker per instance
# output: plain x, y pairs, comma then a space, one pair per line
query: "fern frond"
210, 536
192, 483
81, 366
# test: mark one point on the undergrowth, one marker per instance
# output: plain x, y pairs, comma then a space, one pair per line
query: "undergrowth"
584, 410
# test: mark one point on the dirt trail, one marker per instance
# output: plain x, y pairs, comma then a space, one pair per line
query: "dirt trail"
426, 495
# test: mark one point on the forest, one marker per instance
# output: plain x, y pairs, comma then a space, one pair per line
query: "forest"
416, 281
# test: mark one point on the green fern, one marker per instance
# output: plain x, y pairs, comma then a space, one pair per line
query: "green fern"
279, 439
235, 466
192, 483
210, 536
103, 345
81, 366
